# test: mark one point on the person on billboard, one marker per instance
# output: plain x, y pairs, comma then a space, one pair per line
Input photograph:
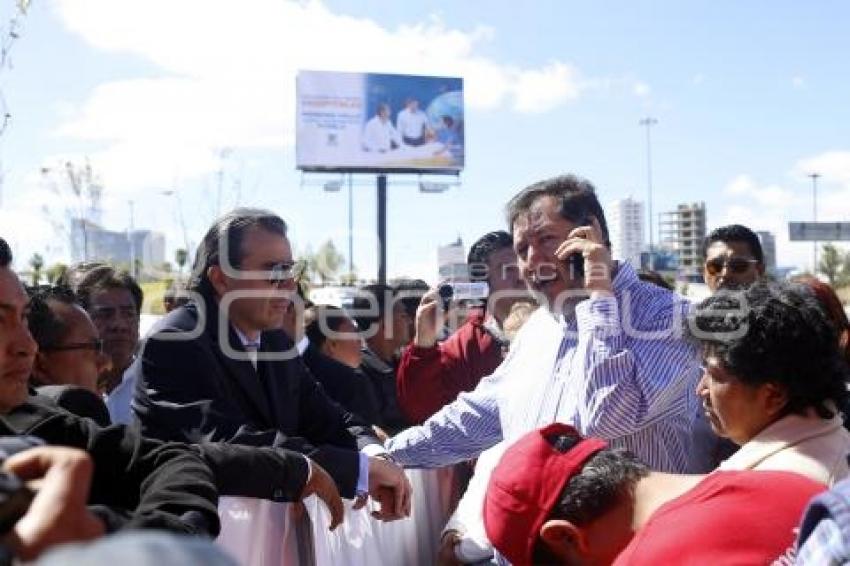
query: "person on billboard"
379, 134
412, 123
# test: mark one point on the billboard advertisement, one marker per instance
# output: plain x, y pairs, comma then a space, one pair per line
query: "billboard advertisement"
379, 122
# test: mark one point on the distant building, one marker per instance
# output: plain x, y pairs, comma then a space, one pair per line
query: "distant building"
625, 228
683, 231
90, 242
768, 246
451, 262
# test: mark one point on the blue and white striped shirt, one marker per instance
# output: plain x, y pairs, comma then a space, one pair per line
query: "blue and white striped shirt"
619, 369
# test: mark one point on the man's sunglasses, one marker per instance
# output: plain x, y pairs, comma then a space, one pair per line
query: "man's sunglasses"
733, 264
95, 345
280, 272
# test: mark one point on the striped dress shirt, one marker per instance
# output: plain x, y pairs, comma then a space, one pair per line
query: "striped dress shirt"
620, 369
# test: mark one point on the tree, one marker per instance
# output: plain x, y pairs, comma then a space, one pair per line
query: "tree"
56, 272
835, 265
181, 256
324, 264
36, 263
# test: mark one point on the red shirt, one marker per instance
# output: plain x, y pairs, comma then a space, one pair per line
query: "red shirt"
429, 378
729, 518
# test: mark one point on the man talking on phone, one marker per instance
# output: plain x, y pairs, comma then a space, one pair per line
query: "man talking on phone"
604, 353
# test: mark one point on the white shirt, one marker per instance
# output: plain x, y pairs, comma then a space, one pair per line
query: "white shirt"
378, 135
411, 124
118, 400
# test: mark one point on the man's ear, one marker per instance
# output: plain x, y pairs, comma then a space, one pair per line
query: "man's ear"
565, 540
760, 269
218, 280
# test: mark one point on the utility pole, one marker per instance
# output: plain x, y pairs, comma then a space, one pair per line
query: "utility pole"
648, 122
350, 226
131, 243
814, 177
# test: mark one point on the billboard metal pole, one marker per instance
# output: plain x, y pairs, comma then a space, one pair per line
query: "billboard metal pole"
382, 229
814, 177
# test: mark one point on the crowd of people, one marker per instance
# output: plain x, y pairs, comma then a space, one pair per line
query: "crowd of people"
604, 417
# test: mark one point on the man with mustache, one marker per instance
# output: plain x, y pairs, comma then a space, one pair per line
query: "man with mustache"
733, 258
604, 352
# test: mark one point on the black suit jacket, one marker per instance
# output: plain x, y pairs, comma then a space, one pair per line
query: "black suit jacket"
347, 386
190, 390
137, 483
247, 471
77, 400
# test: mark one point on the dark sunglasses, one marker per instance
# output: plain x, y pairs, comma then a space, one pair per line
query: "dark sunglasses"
733, 264
95, 345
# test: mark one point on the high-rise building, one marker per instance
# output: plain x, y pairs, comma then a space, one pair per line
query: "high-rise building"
625, 228
683, 231
451, 262
768, 247
90, 242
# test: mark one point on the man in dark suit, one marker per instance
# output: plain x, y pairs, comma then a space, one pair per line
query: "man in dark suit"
221, 369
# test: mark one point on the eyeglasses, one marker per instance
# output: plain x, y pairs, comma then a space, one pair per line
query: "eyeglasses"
280, 272
108, 313
95, 345
733, 264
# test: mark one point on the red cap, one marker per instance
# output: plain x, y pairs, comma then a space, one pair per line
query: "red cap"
525, 486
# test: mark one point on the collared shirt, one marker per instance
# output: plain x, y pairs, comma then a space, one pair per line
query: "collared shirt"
629, 379
411, 124
119, 399
379, 135
825, 530
806, 444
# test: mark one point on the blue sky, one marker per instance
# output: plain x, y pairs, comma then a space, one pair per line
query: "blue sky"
749, 97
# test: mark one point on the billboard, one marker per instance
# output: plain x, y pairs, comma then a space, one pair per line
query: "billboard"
818, 231
379, 122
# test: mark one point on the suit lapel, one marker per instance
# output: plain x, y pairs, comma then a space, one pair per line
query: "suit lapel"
240, 373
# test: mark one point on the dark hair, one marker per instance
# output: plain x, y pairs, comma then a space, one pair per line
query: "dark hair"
5, 253
230, 230
332, 316
833, 307
735, 233
604, 479
409, 293
378, 295
104, 277
576, 196
775, 333
46, 328
479, 253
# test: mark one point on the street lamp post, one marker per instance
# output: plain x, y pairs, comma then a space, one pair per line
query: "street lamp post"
648, 122
814, 177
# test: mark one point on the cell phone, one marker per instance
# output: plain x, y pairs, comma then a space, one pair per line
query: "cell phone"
15, 500
575, 262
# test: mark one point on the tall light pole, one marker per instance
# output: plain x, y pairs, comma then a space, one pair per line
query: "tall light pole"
649, 121
131, 241
350, 226
814, 177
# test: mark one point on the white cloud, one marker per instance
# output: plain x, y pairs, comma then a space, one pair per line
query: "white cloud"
698, 79
798, 82
740, 185
641, 89
832, 166
228, 76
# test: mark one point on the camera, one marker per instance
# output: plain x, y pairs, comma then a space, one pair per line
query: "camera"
462, 292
